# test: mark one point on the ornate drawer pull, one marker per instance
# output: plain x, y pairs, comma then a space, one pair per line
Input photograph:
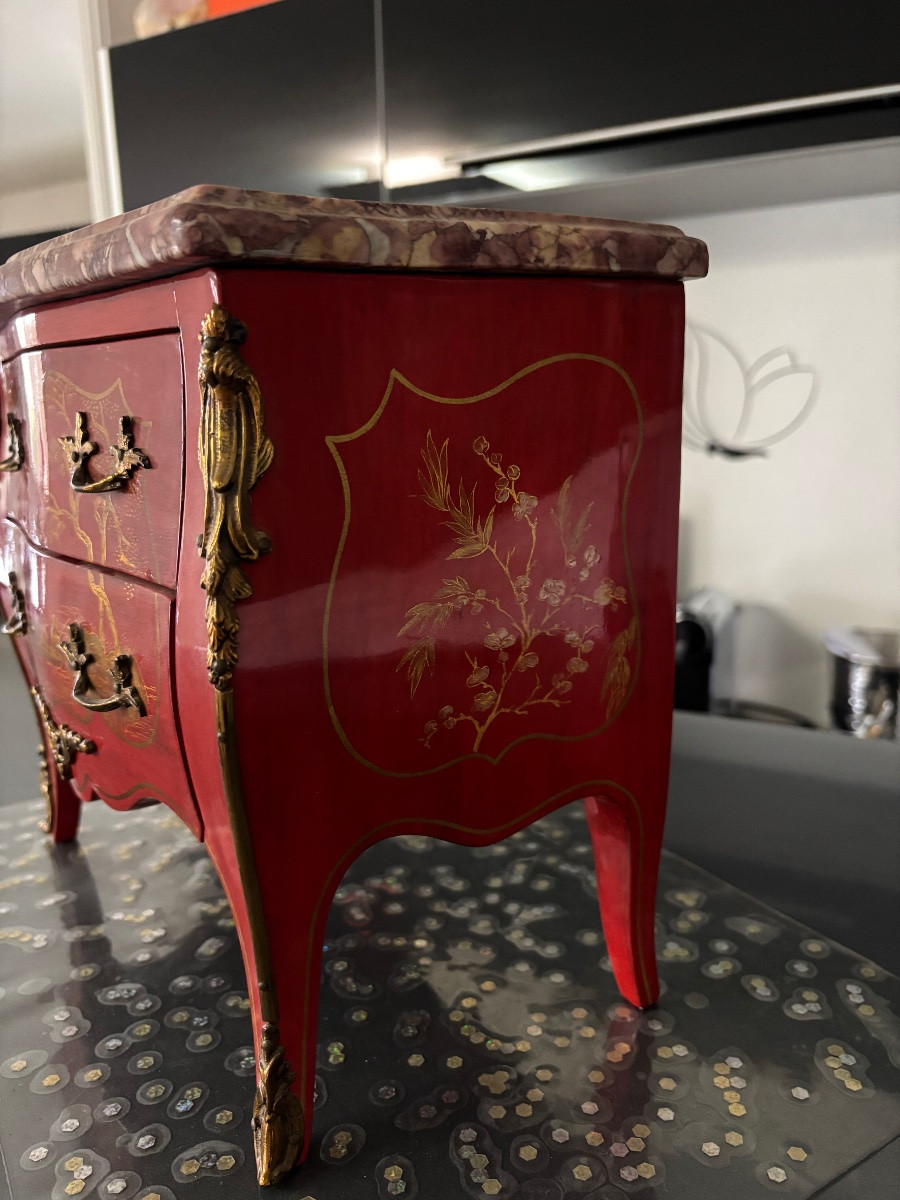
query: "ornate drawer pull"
80, 450
65, 743
16, 456
18, 619
124, 694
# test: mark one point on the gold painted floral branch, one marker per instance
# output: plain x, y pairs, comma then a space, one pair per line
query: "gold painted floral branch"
510, 597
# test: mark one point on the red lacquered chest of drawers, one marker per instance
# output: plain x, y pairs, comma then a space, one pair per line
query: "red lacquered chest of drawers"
324, 522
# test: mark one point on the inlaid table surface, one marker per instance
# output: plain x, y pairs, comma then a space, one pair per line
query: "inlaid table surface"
472, 1041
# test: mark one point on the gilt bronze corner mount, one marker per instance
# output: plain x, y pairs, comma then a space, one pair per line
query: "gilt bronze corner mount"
64, 742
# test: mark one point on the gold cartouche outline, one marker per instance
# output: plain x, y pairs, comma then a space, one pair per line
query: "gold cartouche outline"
234, 453
335, 440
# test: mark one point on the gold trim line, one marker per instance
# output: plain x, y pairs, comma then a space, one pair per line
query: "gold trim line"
634, 640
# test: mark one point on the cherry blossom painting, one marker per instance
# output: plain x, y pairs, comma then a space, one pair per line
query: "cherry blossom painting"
539, 633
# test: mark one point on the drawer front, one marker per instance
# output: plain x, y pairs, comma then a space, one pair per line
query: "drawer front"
120, 505
15, 568
101, 651
13, 454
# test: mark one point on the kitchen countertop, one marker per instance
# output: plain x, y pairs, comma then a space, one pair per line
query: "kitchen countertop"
808, 820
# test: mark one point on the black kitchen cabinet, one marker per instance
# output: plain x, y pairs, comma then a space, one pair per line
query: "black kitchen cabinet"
311, 96
476, 76
281, 98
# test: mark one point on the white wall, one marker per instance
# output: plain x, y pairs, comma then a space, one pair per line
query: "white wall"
55, 206
808, 536
43, 175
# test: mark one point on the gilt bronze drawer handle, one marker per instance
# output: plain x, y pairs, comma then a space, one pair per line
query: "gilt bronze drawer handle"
18, 619
16, 457
80, 449
65, 743
124, 694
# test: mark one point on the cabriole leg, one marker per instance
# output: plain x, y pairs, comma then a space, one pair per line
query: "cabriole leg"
627, 841
283, 963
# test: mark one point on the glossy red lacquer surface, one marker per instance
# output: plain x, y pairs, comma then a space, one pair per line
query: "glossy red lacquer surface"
133, 529
120, 314
138, 757
567, 380
436, 642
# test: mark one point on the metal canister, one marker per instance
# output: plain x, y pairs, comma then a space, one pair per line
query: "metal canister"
866, 681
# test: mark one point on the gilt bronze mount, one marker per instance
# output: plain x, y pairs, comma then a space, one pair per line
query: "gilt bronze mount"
234, 453
16, 457
65, 743
126, 458
124, 693
17, 625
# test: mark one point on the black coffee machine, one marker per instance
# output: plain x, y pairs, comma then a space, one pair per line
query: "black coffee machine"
694, 644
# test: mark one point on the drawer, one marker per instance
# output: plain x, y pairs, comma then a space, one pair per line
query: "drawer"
137, 750
14, 582
12, 442
132, 524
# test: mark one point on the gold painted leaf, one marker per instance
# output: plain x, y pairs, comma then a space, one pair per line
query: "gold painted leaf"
618, 669
462, 519
425, 613
469, 549
563, 508
452, 587
571, 536
615, 684
433, 480
416, 659
581, 528
488, 527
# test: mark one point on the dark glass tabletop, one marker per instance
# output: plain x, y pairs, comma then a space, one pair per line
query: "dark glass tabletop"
471, 1041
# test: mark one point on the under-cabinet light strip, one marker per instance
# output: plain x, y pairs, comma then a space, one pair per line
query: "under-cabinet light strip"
614, 133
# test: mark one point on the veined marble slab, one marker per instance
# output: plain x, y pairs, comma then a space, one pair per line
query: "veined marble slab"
207, 224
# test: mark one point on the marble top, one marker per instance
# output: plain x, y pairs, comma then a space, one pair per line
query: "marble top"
208, 225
